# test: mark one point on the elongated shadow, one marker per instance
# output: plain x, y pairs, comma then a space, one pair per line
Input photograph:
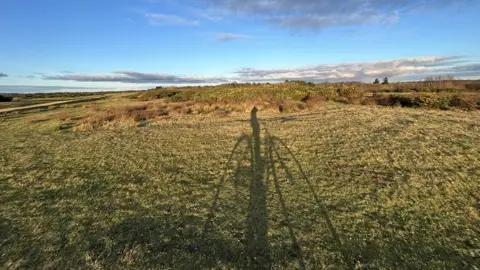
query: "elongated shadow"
263, 171
257, 246
256, 235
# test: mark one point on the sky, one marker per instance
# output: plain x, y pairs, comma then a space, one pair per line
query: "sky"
83, 45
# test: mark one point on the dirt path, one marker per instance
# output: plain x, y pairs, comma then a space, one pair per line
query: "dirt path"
43, 105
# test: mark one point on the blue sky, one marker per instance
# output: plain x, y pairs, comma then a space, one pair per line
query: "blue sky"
137, 44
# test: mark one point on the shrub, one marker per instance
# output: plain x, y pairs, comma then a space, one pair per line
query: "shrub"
397, 100
323, 93
463, 102
350, 92
475, 86
433, 101
158, 93
5, 99
428, 100
406, 101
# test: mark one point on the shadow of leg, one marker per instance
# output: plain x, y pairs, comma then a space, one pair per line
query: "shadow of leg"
324, 211
271, 167
211, 213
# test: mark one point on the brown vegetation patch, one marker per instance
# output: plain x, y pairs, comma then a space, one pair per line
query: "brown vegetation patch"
123, 116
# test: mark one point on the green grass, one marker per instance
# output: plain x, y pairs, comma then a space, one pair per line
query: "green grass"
399, 186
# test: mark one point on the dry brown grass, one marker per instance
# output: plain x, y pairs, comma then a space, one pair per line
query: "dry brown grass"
283, 98
120, 116
35, 119
63, 116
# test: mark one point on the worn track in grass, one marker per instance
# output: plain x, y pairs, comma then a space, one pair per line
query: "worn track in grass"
48, 104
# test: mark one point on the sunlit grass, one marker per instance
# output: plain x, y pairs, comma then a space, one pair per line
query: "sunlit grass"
399, 185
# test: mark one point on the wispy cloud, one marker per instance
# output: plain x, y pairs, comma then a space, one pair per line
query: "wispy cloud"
319, 14
230, 37
207, 14
167, 19
138, 77
469, 67
3, 75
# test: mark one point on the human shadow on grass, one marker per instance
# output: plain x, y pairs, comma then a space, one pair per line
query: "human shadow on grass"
182, 240
99, 228
263, 172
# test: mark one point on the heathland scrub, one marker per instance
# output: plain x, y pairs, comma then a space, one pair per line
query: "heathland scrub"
399, 187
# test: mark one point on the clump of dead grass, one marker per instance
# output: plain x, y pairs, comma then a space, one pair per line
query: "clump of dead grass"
121, 116
63, 116
35, 119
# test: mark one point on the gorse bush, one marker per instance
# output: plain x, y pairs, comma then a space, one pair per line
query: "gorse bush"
475, 86
433, 101
466, 102
429, 100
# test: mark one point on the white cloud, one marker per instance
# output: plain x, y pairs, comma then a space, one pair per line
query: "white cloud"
166, 19
207, 14
230, 37
402, 68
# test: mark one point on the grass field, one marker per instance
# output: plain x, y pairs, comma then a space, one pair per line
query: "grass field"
332, 187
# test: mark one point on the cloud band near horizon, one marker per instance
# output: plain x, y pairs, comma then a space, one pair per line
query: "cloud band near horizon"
137, 77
